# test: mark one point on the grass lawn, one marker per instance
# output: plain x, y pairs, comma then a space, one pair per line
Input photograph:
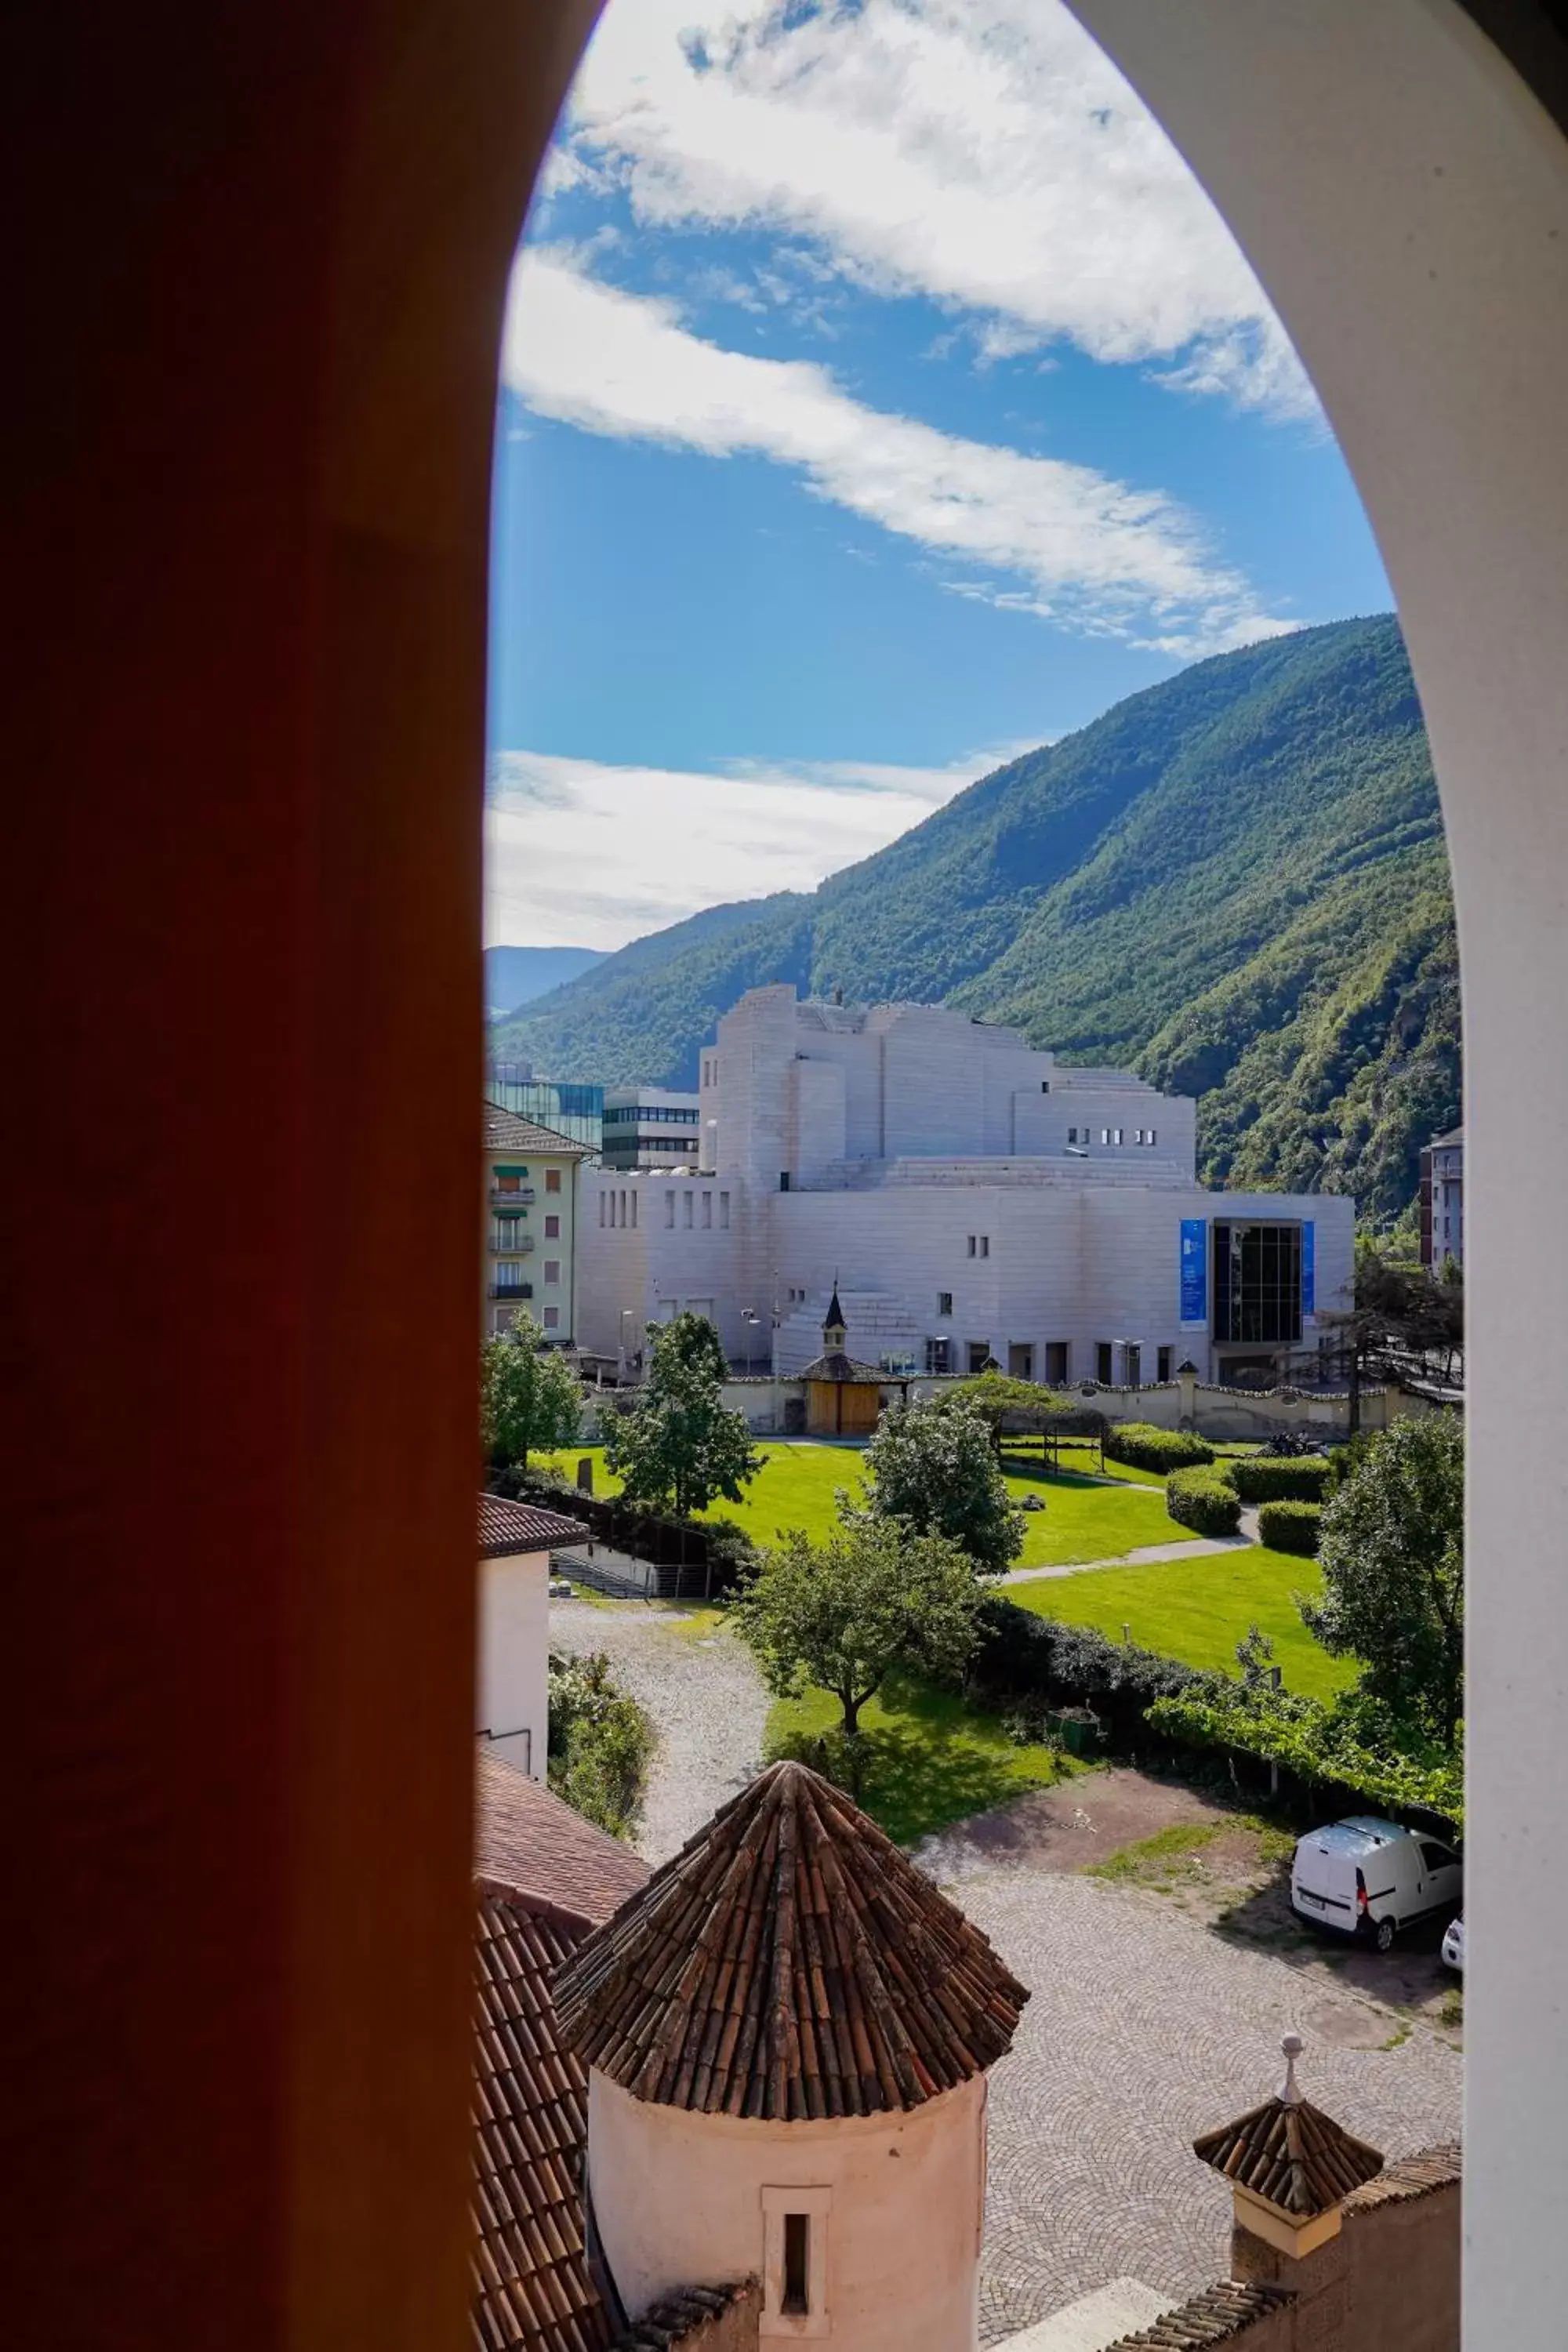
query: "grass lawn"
929, 1756
795, 1488
1199, 1609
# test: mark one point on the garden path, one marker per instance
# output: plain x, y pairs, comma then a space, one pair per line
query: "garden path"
703, 1694
1193, 1548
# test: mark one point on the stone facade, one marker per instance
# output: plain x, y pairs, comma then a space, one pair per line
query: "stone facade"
973, 1197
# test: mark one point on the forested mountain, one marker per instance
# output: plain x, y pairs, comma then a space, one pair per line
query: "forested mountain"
1235, 881
514, 976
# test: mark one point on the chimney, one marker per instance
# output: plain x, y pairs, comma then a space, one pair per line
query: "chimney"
1291, 2168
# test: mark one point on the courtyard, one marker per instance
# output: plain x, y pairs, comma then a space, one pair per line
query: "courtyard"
1146, 1920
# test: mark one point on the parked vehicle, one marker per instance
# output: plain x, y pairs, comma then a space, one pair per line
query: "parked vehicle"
1454, 1944
1370, 1878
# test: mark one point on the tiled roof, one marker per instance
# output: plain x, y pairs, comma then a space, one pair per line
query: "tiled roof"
1216, 2317
1411, 2175
839, 1367
789, 1963
533, 2286
504, 1131
683, 2317
528, 1842
1291, 2155
507, 1526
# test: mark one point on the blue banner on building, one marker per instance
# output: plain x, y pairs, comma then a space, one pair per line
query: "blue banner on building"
1309, 1269
1195, 1273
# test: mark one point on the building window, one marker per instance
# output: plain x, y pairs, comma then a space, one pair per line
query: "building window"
689, 1208
979, 1355
1057, 1361
604, 1220
553, 1269
1135, 1365
972, 1245
944, 1302
505, 1318
1152, 1136
634, 1201
939, 1355
1044, 1086
707, 1213
1162, 1362
553, 1229
1104, 1364
1118, 1135
552, 1179
794, 2261
669, 1211
1257, 1283
1105, 1135
984, 1244
552, 1318
723, 1212
783, 1179
796, 2298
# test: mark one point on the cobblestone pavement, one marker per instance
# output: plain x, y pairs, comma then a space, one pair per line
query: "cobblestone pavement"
1144, 2030
706, 1700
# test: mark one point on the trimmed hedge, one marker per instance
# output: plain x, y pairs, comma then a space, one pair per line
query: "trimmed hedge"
1143, 1447
1202, 1501
1290, 1527
1263, 1478
1042, 1664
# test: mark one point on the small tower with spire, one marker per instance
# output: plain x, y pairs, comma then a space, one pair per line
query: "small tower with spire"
835, 1330
1291, 2169
787, 2033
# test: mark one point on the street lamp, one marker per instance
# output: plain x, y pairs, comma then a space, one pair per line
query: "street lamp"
752, 1321
627, 1313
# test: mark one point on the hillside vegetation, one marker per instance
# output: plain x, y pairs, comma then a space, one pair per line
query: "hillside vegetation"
1236, 882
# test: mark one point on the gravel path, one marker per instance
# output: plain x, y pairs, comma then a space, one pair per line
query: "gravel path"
706, 1700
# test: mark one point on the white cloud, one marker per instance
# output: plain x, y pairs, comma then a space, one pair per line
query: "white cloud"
1097, 554
984, 153
581, 853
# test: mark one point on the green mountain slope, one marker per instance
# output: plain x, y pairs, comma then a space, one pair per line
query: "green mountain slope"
1235, 881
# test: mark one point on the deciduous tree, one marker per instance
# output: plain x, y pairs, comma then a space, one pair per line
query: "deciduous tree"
842, 1613
680, 1447
932, 1466
1391, 1552
529, 1398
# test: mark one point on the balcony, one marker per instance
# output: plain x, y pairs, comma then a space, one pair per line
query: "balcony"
518, 1244
501, 1197
512, 1290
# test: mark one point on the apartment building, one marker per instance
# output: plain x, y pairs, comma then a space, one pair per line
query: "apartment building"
531, 1176
1443, 1199
975, 1199
651, 1126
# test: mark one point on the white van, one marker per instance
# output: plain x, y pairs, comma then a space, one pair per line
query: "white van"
1367, 1877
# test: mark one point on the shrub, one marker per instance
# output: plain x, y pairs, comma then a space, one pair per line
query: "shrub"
600, 1743
1323, 1749
1143, 1447
1027, 1664
1261, 1478
1202, 1501
1290, 1527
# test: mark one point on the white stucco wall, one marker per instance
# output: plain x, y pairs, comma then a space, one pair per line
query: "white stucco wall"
678, 2197
515, 1655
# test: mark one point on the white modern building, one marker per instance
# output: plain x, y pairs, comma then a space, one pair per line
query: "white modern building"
651, 1126
974, 1199
1443, 1199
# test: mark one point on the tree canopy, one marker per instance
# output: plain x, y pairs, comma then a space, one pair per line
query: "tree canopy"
680, 1447
530, 1397
842, 1614
1391, 1552
995, 1394
932, 1465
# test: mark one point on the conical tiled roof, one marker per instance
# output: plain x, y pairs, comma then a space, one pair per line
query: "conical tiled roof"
1289, 2153
790, 1962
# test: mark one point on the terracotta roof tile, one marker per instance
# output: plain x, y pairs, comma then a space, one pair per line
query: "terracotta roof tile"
504, 1131
1218, 2315
1411, 2175
1291, 2155
840, 1367
506, 1527
533, 2286
789, 1963
528, 1842
683, 2317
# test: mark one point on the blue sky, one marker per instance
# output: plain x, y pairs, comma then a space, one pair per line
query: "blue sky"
880, 395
